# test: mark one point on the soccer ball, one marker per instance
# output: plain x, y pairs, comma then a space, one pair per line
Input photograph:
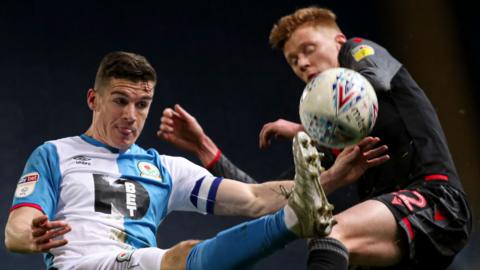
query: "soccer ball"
338, 108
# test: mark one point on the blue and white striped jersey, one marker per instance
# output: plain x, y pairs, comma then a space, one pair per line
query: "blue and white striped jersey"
111, 199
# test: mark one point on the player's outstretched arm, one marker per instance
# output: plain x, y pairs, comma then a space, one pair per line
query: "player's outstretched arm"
182, 130
235, 198
28, 230
278, 129
353, 161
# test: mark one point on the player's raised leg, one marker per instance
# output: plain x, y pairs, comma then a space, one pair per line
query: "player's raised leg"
307, 214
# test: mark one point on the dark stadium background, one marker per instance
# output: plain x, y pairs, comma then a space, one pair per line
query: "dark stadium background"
213, 58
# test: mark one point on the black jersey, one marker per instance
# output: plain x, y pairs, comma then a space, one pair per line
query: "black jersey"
407, 123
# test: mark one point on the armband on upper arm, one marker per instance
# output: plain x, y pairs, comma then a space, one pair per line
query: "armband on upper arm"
204, 193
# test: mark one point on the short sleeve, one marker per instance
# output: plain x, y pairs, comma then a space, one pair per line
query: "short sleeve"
39, 184
371, 60
193, 187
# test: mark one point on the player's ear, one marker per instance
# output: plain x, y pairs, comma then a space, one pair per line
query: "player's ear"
91, 98
340, 39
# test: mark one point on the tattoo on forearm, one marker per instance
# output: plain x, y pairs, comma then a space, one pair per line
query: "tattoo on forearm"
283, 191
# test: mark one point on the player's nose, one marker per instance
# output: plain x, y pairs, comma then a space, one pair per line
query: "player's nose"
303, 63
129, 112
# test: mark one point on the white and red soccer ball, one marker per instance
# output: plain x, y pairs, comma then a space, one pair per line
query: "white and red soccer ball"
338, 108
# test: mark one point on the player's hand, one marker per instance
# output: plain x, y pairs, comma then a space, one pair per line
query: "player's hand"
353, 161
278, 129
181, 129
44, 233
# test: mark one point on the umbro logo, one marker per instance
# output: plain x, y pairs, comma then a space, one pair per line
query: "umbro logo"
82, 160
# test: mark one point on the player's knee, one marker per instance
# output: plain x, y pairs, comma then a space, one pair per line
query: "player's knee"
176, 257
342, 234
184, 247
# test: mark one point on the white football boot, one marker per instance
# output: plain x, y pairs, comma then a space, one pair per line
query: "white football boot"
308, 200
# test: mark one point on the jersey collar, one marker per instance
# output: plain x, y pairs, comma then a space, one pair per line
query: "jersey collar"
98, 143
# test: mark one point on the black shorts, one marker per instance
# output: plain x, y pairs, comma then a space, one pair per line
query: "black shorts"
435, 219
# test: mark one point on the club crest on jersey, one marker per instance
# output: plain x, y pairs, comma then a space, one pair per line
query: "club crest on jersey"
125, 256
149, 170
26, 184
362, 51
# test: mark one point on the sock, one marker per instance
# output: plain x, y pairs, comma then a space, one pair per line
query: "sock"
240, 247
290, 217
327, 253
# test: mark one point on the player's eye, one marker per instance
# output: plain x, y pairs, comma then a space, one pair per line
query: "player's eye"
120, 101
142, 104
309, 49
293, 61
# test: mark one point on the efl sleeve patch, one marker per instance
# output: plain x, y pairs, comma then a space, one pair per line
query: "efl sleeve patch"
26, 184
39, 184
204, 193
362, 51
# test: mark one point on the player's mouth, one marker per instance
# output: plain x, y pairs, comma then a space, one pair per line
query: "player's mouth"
126, 131
312, 75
